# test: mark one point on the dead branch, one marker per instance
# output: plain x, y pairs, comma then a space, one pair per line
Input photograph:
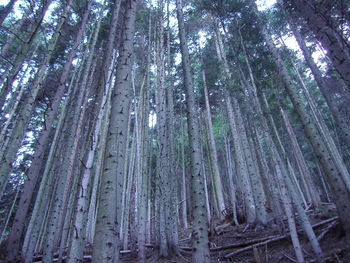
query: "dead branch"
241, 244
326, 230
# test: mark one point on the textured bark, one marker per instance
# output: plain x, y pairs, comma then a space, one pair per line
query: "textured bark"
142, 202
325, 133
253, 172
129, 186
200, 224
173, 182
253, 169
106, 231
184, 197
163, 172
66, 182
109, 54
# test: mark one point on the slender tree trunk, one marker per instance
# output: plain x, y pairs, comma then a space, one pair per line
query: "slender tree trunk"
105, 241
288, 207
233, 191
9, 214
184, 200
213, 152
45, 186
200, 230
305, 173
173, 182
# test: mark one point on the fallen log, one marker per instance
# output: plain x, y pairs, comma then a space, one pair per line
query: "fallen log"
241, 244
239, 251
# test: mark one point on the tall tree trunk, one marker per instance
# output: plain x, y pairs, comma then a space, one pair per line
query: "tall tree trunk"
218, 189
200, 230
54, 157
183, 191
288, 207
173, 182
310, 188
287, 172
163, 171
105, 241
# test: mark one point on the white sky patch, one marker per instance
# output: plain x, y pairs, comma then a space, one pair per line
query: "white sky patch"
265, 4
4, 2
202, 39
152, 119
317, 55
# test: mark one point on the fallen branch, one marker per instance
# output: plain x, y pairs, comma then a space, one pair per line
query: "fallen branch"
326, 230
239, 251
290, 258
241, 244
184, 240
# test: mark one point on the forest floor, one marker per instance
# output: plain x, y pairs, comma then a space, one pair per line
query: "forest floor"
269, 245
246, 244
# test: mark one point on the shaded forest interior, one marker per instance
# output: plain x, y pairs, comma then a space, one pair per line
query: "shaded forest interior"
175, 131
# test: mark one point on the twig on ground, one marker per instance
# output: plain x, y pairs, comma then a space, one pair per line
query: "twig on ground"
326, 230
290, 258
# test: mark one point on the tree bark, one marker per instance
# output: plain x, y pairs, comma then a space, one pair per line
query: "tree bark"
200, 230
105, 241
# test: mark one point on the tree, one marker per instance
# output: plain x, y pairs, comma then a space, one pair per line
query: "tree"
105, 241
200, 225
